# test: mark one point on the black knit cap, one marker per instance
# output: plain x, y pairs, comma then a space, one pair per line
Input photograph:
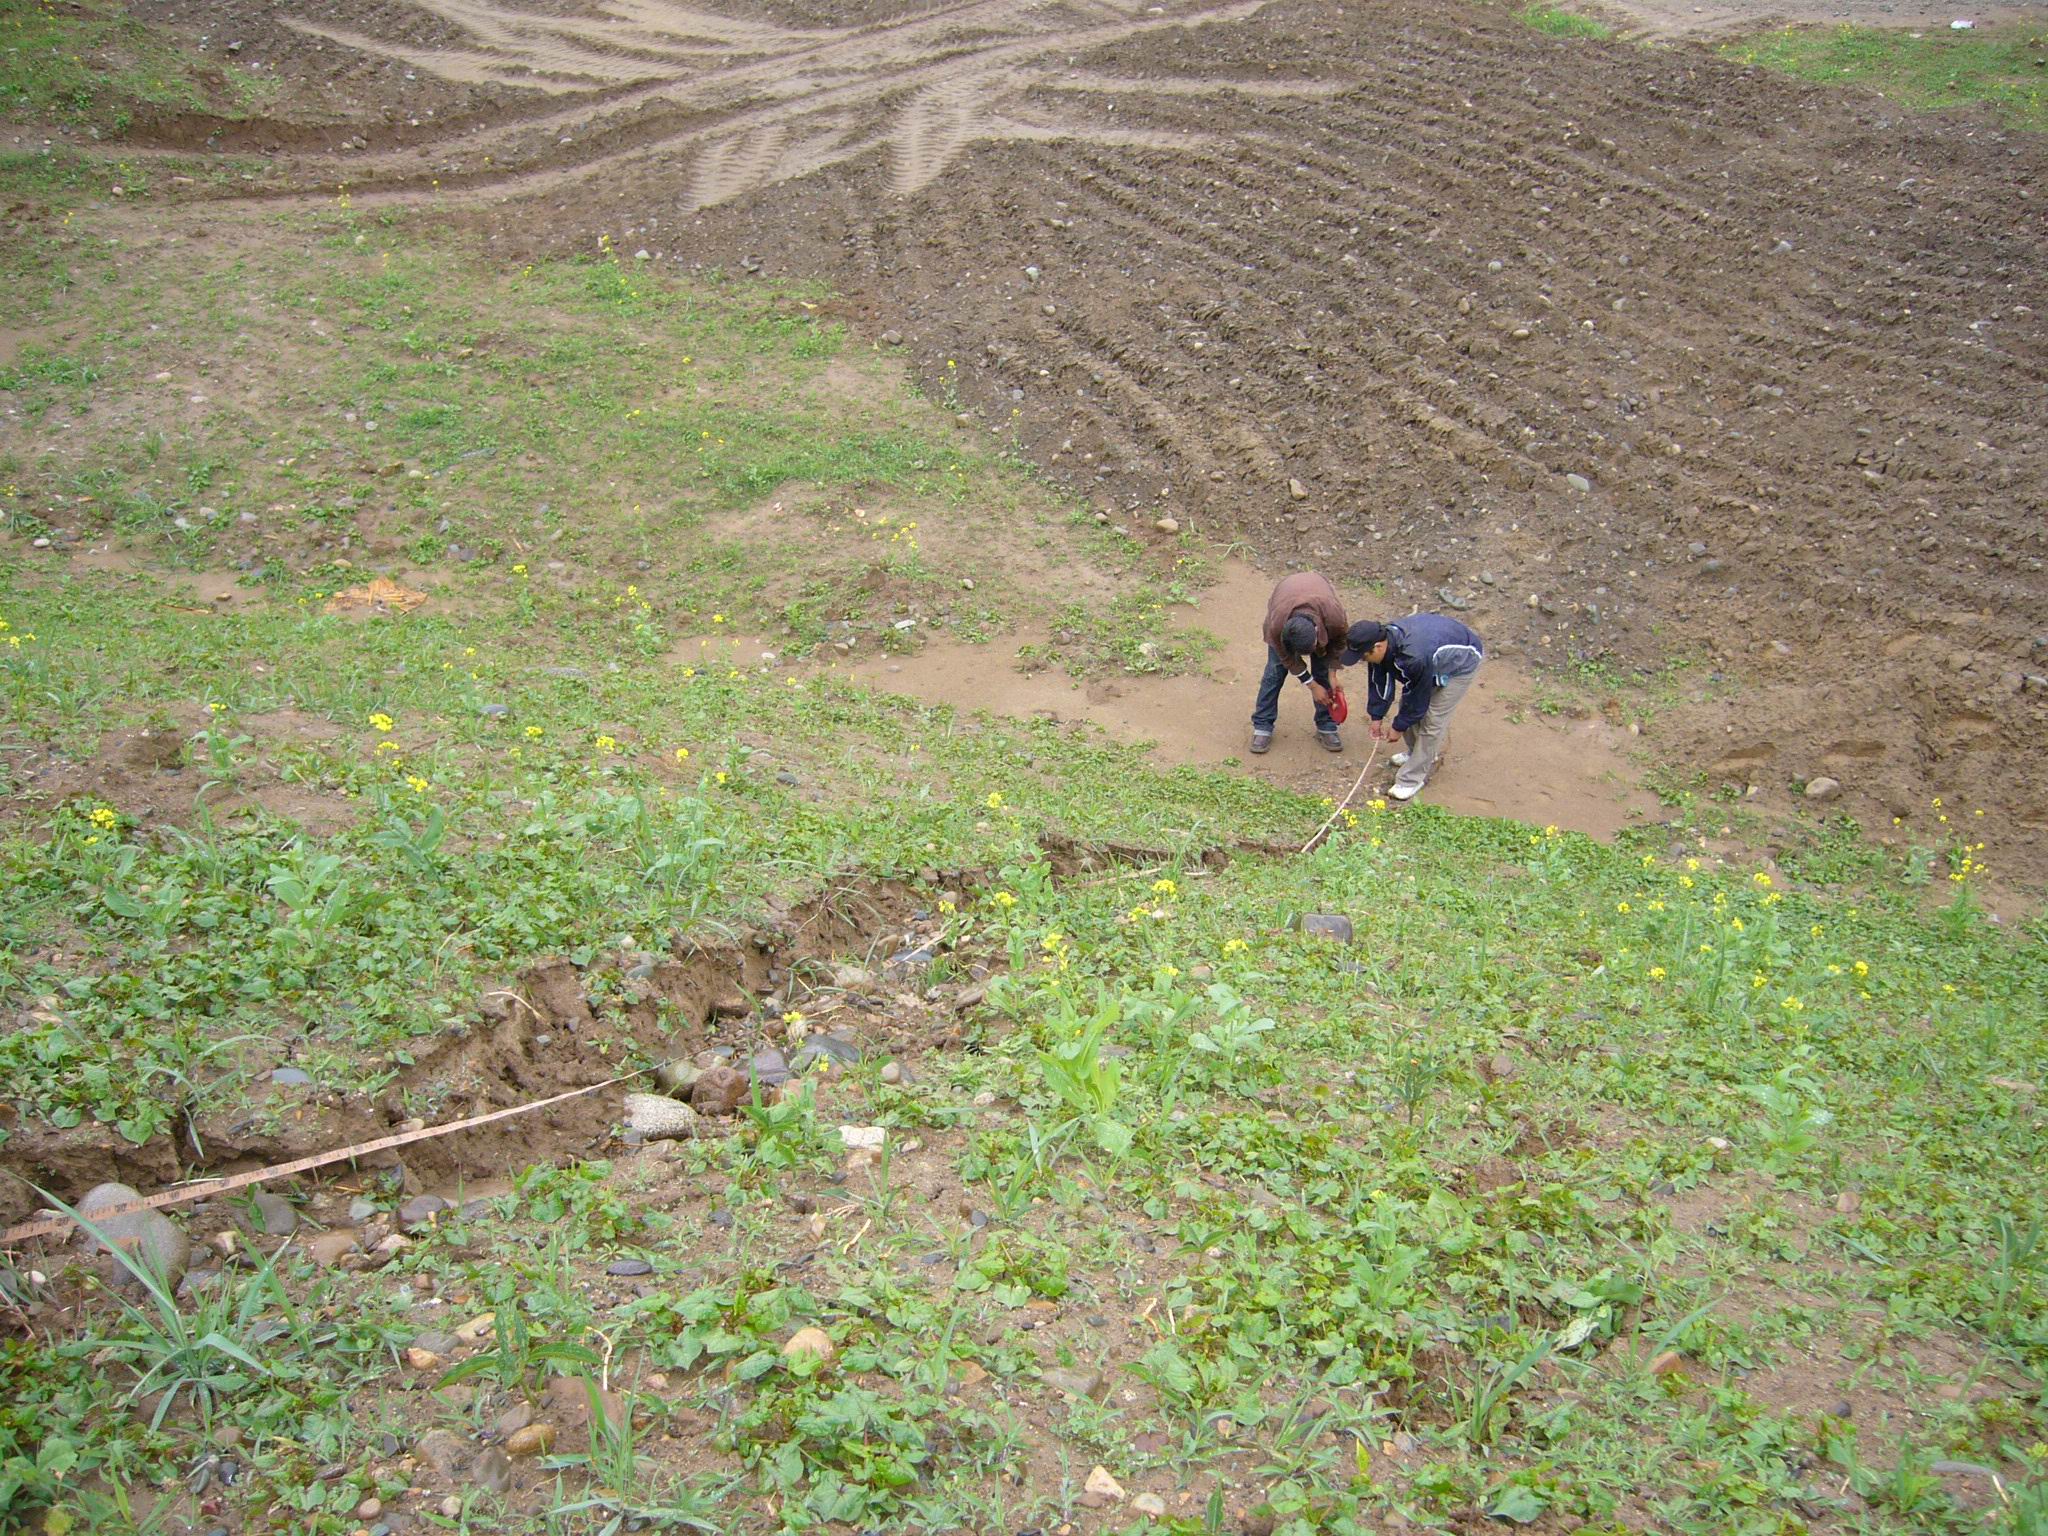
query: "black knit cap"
1360, 638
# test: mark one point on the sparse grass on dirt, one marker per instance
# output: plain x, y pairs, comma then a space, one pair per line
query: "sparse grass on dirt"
2004, 67
1593, 1189
91, 63
352, 390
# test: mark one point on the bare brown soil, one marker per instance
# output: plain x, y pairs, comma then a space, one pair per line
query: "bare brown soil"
1360, 286
1504, 759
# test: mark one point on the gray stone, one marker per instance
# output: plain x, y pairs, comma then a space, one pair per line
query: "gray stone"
1451, 599
149, 1239
290, 1077
834, 1049
447, 1456
362, 1208
677, 1077
892, 338
656, 1117
1578, 483
495, 711
912, 959
627, 1269
1823, 788
436, 1342
274, 1215
493, 1471
852, 978
770, 1067
1696, 550
421, 1211
1327, 925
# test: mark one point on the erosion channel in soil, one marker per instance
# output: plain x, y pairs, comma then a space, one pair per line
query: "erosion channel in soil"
536, 1038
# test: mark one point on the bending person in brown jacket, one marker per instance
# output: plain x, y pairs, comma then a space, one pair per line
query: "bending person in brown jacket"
1305, 629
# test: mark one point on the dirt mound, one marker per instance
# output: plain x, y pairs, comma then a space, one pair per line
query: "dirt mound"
1635, 351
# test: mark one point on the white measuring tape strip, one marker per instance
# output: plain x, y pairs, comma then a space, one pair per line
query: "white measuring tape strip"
51, 1226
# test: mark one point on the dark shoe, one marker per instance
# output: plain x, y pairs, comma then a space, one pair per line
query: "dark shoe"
1331, 741
1262, 743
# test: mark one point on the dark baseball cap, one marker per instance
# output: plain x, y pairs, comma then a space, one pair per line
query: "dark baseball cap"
1360, 638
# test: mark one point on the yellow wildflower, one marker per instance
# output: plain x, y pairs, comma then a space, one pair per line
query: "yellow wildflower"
381, 722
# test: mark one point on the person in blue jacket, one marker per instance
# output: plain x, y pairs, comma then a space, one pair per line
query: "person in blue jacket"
1433, 658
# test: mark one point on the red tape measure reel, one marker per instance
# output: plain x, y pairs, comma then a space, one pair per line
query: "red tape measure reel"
1340, 711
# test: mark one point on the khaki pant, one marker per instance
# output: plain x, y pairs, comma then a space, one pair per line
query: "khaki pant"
1426, 739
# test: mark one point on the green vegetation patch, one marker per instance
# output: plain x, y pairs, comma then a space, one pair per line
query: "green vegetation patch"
1590, 1188
2004, 67
1562, 23
93, 64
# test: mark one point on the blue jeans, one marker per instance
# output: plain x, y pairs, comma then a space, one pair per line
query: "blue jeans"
1266, 712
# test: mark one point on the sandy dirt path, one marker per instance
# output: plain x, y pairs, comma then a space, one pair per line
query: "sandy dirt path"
1503, 760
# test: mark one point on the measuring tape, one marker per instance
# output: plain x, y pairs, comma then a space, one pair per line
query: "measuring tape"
51, 1226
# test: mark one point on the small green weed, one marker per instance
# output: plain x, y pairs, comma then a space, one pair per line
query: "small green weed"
1557, 22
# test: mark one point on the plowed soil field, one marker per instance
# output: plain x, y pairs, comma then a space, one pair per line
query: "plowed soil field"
1628, 352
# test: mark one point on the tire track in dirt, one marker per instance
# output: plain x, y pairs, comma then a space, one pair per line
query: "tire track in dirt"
961, 70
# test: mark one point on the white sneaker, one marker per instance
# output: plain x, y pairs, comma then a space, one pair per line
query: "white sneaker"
1405, 791
1398, 759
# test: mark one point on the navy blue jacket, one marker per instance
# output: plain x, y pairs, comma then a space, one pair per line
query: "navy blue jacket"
1423, 650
